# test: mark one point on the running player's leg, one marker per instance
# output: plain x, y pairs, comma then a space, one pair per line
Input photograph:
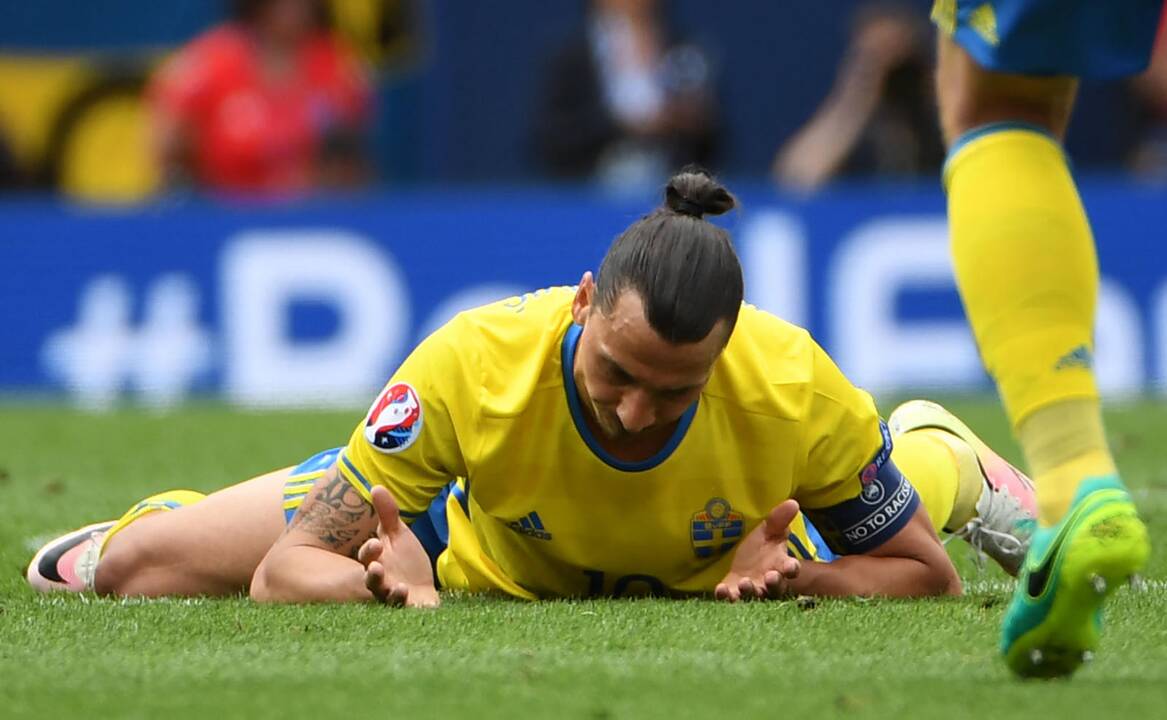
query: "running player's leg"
1024, 260
1024, 257
1026, 268
209, 547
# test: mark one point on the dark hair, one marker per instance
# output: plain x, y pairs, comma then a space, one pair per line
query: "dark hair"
246, 11
683, 267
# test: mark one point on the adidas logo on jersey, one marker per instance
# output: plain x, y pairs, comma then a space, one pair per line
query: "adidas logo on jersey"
1079, 357
531, 526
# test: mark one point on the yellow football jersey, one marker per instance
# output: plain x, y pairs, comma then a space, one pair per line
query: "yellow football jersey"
542, 511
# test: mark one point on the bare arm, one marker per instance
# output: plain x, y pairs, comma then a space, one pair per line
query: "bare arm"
172, 149
912, 563
818, 149
340, 548
315, 559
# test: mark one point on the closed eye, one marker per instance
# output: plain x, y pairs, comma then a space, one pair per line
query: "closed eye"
618, 375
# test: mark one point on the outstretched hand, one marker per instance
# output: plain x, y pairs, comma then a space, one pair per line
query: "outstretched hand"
762, 567
397, 569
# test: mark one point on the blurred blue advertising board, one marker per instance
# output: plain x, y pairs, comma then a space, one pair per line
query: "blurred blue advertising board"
313, 303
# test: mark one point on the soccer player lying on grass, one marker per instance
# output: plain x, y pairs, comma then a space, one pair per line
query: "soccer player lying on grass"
645, 432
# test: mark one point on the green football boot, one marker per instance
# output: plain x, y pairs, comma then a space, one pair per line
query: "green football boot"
1053, 623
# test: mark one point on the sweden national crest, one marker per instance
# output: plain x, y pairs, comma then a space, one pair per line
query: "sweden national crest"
716, 529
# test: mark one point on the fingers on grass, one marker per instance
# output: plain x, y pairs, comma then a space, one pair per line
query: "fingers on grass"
725, 592
748, 590
370, 551
398, 594
775, 584
375, 579
792, 568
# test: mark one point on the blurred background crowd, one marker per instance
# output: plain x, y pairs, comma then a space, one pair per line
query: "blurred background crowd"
126, 99
457, 151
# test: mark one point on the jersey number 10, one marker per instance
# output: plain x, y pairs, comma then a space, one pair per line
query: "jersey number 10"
641, 584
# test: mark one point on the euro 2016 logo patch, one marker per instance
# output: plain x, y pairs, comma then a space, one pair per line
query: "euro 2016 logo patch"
716, 529
394, 421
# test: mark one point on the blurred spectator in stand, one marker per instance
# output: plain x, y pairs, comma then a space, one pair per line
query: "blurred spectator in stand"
880, 117
10, 175
1148, 161
624, 102
270, 103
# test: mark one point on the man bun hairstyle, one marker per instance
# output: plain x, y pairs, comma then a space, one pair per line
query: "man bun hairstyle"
695, 193
683, 267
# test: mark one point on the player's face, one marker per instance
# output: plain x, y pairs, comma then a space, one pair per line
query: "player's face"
288, 21
630, 378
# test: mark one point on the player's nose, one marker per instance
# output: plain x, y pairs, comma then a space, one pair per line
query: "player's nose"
636, 411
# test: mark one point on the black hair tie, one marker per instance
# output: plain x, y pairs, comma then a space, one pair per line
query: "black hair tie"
690, 208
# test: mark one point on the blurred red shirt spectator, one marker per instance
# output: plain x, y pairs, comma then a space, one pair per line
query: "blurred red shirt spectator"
270, 103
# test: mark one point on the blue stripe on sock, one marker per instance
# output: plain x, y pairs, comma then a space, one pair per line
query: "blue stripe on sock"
990, 128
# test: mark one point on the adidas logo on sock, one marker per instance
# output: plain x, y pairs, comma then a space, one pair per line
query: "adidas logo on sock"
531, 526
1079, 357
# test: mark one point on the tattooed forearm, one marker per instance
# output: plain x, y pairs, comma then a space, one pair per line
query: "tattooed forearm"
336, 514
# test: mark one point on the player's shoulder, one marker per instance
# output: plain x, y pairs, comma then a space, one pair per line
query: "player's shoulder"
541, 302
773, 367
518, 319
768, 366
759, 329
776, 349
516, 341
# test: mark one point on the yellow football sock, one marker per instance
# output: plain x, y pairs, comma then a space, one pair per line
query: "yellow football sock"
1064, 443
945, 473
169, 500
1027, 272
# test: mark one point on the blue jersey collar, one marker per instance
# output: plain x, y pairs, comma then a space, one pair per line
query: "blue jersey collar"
567, 351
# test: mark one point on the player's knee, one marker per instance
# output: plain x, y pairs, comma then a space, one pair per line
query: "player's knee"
123, 562
952, 586
945, 580
966, 113
971, 97
260, 590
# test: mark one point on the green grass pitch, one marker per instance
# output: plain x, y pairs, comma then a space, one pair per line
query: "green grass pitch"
78, 656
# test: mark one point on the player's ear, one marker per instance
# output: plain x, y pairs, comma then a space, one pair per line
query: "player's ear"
584, 294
